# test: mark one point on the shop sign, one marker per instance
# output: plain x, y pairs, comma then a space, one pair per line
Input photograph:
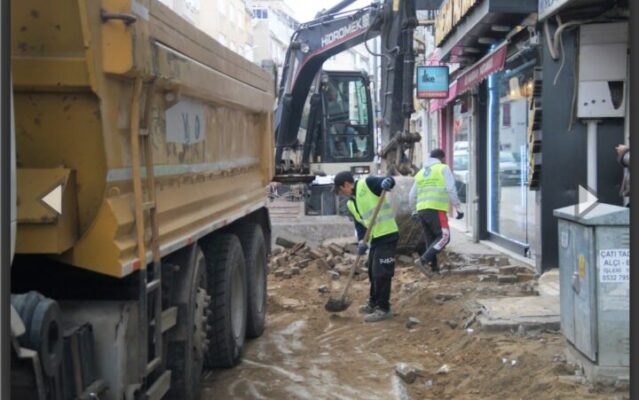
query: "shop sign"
548, 7
450, 14
480, 71
432, 82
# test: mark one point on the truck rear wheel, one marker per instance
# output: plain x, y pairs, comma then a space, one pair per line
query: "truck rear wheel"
188, 341
254, 247
227, 287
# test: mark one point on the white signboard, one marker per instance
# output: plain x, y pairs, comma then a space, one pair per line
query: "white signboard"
548, 7
614, 265
185, 123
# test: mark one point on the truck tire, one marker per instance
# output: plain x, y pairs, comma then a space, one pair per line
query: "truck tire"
45, 335
254, 247
227, 288
187, 345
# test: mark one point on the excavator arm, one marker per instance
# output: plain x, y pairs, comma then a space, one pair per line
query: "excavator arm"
332, 33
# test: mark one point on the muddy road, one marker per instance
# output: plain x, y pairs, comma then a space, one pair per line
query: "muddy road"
307, 353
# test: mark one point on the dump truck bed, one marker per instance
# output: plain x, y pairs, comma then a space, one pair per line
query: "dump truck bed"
208, 112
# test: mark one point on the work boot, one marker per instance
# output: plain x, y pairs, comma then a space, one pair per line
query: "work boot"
366, 309
378, 315
425, 270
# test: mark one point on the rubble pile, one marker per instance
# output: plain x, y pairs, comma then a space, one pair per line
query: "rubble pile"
334, 257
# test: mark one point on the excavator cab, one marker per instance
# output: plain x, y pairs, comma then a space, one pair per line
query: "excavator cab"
345, 138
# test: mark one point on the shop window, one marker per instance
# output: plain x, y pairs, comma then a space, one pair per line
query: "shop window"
512, 206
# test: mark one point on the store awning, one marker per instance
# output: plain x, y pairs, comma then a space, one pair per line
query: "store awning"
474, 75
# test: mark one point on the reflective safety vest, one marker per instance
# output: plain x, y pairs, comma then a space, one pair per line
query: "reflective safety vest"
363, 213
432, 193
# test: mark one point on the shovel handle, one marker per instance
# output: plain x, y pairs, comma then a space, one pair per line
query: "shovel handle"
378, 207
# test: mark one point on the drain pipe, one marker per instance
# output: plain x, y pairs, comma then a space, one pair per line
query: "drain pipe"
591, 161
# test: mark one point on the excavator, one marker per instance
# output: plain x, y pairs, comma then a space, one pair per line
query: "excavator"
324, 120
333, 128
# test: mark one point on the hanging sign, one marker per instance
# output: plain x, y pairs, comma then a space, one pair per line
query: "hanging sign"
432, 82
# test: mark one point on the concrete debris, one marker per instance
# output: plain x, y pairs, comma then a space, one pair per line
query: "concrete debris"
336, 250
278, 274
277, 250
506, 279
412, 322
334, 275
323, 289
287, 275
502, 261
443, 370
294, 271
474, 269
452, 324
404, 259
287, 244
322, 264
525, 277
330, 260
342, 269
514, 270
446, 296
407, 372
488, 278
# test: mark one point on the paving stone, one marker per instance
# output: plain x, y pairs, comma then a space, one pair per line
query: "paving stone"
412, 322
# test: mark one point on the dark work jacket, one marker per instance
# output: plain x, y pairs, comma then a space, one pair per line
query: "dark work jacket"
375, 184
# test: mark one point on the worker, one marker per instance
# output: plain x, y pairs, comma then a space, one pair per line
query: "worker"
433, 190
363, 196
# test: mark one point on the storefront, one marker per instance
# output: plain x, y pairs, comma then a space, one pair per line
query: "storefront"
484, 122
512, 207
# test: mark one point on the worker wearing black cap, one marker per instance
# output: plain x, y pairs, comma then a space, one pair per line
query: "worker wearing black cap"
363, 196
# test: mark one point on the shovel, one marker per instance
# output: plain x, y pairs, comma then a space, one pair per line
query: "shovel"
341, 304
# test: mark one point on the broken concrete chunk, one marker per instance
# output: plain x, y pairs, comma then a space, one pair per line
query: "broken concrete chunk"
297, 248
452, 324
335, 250
488, 278
447, 296
443, 370
506, 279
330, 260
316, 254
502, 261
525, 277
280, 241
404, 259
322, 265
323, 289
287, 275
351, 248
342, 269
278, 274
277, 250
334, 275
294, 271
412, 322
406, 372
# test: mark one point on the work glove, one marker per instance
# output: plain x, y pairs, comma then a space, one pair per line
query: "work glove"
361, 248
387, 184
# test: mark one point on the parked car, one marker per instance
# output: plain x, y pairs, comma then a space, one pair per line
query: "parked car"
509, 169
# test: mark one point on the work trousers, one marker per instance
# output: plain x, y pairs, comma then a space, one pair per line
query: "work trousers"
381, 269
436, 233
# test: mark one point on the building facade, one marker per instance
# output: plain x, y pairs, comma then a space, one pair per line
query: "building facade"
227, 21
515, 123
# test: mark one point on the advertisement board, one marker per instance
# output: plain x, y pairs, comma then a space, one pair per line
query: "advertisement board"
432, 82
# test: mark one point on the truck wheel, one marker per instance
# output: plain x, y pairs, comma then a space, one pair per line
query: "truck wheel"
254, 248
188, 343
227, 287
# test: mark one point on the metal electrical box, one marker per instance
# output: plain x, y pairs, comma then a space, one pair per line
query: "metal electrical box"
603, 67
594, 270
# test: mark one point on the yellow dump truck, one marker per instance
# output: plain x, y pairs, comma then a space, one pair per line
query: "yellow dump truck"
143, 153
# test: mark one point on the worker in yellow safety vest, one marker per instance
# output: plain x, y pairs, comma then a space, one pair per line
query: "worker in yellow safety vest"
363, 196
432, 192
